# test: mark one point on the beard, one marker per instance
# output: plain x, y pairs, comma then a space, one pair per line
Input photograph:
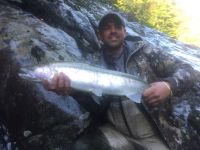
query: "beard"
113, 49
113, 46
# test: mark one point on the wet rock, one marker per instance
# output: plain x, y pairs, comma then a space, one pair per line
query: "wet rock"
72, 21
35, 117
5, 141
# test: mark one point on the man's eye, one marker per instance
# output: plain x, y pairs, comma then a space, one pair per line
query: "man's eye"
118, 27
106, 27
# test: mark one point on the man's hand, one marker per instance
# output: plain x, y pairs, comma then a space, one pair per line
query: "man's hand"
60, 84
157, 93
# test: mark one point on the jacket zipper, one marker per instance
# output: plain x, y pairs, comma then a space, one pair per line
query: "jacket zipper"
121, 105
131, 54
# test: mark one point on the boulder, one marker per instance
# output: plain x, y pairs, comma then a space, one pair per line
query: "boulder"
35, 117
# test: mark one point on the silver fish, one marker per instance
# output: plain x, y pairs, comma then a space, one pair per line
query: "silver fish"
85, 77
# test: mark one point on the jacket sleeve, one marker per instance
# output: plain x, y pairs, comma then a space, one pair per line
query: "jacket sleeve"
168, 68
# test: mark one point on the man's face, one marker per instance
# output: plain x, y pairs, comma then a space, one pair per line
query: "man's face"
112, 35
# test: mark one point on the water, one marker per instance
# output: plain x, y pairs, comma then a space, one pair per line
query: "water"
187, 53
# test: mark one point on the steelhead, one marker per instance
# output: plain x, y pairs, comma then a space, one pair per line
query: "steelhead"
87, 78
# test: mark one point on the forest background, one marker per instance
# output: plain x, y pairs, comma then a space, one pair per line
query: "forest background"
163, 15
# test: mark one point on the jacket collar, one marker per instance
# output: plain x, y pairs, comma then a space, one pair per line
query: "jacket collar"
132, 44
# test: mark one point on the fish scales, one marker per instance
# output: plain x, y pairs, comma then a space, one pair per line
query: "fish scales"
91, 79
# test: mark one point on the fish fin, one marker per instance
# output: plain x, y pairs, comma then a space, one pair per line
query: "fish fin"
135, 97
97, 92
96, 99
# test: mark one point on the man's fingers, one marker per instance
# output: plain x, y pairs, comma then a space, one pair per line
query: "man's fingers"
61, 81
67, 86
157, 93
46, 84
151, 98
66, 81
153, 102
54, 82
147, 93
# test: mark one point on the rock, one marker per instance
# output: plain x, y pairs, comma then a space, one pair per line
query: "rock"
70, 20
5, 141
53, 121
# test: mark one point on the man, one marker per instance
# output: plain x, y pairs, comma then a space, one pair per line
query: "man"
127, 127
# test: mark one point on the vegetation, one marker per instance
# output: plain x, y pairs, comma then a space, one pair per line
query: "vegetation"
163, 15
159, 14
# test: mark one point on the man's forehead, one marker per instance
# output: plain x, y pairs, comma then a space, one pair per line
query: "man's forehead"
112, 22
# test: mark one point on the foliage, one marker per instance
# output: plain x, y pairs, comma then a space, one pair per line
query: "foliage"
163, 15
159, 14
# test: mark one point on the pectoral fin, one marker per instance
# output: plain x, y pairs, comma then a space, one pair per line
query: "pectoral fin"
135, 97
97, 99
97, 92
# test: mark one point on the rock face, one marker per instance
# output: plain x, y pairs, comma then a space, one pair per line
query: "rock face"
36, 118
42, 31
68, 19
